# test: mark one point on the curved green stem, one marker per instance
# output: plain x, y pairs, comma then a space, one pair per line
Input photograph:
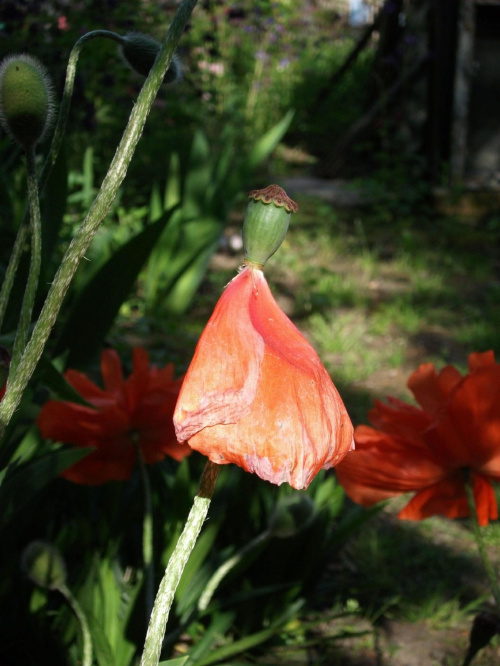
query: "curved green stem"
105, 197
476, 528
229, 564
147, 536
35, 263
176, 564
69, 85
84, 625
50, 160
13, 265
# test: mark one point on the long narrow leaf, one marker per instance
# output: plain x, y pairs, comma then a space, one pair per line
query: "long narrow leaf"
266, 144
23, 481
99, 303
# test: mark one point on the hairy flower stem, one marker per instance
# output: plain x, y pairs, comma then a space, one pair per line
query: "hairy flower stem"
50, 160
35, 263
176, 564
495, 588
147, 536
84, 626
13, 265
105, 197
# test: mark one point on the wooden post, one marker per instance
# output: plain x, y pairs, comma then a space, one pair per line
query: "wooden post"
461, 94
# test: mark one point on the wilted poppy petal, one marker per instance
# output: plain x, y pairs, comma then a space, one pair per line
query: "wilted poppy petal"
468, 432
288, 421
432, 389
484, 497
399, 419
113, 462
154, 449
112, 375
478, 360
86, 388
463, 435
138, 381
79, 425
136, 413
448, 498
221, 381
383, 466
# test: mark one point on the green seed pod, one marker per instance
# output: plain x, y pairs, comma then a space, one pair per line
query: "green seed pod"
266, 223
26, 99
140, 51
44, 565
292, 514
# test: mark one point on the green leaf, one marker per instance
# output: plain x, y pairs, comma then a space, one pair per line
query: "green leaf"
54, 380
266, 144
251, 641
177, 264
107, 598
23, 481
53, 208
99, 302
173, 194
199, 177
155, 204
211, 636
102, 648
180, 661
178, 299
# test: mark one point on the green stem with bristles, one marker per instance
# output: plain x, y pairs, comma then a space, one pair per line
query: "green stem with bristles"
84, 625
53, 153
35, 263
176, 564
105, 197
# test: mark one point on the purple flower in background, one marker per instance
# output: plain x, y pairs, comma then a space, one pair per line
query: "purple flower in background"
283, 64
261, 55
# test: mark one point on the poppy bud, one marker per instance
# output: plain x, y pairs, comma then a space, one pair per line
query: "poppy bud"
26, 99
266, 223
292, 514
44, 565
140, 51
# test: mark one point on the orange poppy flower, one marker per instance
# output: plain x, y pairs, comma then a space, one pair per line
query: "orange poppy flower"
256, 393
428, 450
126, 415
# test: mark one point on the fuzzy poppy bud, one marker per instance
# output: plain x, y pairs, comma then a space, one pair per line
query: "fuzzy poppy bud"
291, 515
26, 99
44, 565
140, 51
266, 223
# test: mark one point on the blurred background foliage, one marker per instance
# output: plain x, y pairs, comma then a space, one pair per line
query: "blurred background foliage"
378, 287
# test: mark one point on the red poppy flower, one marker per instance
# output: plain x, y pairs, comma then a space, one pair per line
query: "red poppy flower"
429, 450
256, 393
127, 414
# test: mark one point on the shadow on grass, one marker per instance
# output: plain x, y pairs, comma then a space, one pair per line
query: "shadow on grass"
407, 570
